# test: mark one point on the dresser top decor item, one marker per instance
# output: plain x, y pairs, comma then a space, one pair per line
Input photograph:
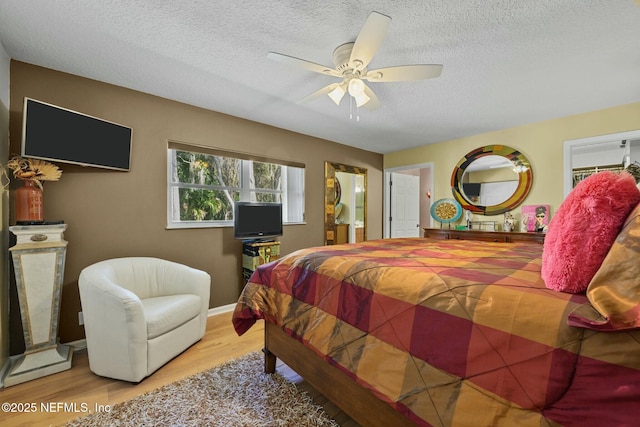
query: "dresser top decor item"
33, 170
446, 210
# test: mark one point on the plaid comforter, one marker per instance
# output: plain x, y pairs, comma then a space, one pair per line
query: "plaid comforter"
454, 333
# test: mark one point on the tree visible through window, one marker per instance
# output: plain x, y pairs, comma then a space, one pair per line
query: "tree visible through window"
203, 187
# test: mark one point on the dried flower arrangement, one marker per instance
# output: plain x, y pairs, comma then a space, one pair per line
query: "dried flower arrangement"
33, 170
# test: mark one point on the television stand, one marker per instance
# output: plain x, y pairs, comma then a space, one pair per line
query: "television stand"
266, 240
256, 253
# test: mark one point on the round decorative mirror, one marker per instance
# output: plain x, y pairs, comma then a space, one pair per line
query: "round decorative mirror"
491, 180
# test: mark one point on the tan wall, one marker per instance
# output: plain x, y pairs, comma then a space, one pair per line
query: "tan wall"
541, 142
114, 214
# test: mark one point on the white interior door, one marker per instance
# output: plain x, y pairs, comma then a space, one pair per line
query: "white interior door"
405, 205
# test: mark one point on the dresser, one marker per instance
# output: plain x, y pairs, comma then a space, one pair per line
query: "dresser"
486, 236
342, 234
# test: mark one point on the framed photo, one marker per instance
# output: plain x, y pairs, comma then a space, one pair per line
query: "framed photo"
535, 218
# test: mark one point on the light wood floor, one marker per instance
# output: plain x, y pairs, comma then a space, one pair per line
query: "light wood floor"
79, 385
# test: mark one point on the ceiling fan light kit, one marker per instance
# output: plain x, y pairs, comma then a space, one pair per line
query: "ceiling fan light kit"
351, 61
356, 90
337, 94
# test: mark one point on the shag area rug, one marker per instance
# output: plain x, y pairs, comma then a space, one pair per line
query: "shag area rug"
237, 393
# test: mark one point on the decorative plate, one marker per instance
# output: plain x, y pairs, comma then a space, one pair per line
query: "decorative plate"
446, 210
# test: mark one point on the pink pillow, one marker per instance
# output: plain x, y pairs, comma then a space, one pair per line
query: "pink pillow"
584, 228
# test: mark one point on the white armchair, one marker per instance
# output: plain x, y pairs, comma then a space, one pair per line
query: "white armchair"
141, 312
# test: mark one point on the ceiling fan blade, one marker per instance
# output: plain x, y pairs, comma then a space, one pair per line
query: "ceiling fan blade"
297, 62
404, 73
317, 94
374, 102
369, 39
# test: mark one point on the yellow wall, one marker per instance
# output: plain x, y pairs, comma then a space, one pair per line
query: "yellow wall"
492, 175
541, 142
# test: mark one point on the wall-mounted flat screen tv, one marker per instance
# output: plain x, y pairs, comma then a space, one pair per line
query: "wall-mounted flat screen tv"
60, 135
253, 220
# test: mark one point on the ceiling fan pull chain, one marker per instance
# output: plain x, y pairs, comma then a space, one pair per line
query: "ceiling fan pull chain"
350, 108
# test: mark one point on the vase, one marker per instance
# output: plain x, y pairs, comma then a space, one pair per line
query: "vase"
28, 200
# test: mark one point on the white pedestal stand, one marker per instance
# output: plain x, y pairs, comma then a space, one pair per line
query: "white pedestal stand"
38, 259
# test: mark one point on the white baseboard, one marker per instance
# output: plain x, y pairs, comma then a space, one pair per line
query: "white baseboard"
222, 309
77, 345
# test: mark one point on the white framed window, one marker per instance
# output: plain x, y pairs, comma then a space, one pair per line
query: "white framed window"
204, 183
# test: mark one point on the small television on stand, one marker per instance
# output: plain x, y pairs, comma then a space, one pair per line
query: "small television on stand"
257, 221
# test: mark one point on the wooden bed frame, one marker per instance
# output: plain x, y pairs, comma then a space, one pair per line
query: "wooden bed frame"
356, 401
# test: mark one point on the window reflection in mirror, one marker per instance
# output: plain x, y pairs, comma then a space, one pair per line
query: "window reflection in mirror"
350, 207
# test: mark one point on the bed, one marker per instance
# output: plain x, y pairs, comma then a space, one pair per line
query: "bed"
441, 333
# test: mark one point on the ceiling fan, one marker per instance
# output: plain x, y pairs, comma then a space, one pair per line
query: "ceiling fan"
351, 60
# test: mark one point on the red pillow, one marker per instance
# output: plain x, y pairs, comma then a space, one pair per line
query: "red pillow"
584, 228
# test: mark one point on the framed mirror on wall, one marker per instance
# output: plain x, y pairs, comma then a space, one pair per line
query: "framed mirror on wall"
340, 208
492, 180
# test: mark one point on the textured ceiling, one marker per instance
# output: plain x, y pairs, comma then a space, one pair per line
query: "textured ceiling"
506, 62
